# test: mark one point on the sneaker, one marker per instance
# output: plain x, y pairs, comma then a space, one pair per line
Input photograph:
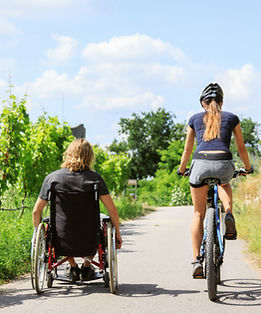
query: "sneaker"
87, 273
231, 232
197, 268
73, 273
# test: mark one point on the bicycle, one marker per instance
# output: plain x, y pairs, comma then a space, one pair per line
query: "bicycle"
213, 243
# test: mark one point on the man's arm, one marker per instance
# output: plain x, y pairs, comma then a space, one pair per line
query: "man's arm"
109, 204
37, 212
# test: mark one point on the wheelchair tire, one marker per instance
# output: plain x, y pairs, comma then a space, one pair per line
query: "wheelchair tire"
112, 258
106, 280
40, 259
32, 260
49, 279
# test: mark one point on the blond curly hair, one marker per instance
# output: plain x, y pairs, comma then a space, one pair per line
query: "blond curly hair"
78, 156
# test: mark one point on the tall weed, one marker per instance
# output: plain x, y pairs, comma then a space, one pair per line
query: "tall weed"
247, 200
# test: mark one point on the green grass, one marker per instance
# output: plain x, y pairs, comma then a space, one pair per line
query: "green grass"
15, 242
247, 209
128, 208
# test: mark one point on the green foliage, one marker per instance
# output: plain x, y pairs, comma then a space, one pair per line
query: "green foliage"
29, 151
113, 168
250, 131
167, 188
15, 242
48, 140
247, 204
147, 134
14, 129
118, 147
127, 207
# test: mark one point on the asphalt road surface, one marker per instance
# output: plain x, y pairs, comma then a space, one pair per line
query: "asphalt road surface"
154, 276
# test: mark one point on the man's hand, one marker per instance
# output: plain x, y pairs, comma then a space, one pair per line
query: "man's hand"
118, 241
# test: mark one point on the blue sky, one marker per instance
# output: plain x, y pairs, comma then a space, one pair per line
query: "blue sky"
95, 61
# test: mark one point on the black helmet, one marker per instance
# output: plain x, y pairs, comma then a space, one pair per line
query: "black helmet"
213, 90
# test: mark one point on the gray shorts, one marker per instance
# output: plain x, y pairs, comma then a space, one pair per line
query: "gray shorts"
203, 169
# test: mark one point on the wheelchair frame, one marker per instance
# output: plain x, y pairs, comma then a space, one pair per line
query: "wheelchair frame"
44, 262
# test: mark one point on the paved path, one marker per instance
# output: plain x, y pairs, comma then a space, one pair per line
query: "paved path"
155, 277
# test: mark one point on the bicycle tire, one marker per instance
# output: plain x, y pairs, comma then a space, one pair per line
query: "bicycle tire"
211, 271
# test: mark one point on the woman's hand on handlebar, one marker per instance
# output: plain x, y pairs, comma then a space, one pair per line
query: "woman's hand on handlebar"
185, 173
243, 172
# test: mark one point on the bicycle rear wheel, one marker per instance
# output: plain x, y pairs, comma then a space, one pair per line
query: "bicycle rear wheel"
211, 255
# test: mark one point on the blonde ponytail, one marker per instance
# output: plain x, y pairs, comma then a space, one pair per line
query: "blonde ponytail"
212, 120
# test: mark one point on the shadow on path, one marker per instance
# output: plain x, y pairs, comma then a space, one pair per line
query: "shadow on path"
12, 297
244, 292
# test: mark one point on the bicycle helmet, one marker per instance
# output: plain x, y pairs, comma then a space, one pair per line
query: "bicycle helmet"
213, 90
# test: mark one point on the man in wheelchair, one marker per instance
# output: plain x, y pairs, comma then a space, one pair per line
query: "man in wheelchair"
73, 237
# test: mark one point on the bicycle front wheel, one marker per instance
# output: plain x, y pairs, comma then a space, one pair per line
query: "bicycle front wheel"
211, 258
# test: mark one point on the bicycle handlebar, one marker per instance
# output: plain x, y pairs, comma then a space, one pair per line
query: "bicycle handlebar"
243, 172
239, 172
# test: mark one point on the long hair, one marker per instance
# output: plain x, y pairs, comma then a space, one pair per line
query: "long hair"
212, 120
78, 156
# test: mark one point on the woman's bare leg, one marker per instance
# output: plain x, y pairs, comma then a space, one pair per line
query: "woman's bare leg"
199, 198
225, 195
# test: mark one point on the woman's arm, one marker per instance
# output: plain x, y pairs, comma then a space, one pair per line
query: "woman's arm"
241, 146
109, 204
187, 149
37, 212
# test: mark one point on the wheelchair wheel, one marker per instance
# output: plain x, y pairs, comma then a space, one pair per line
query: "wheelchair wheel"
112, 258
32, 259
40, 264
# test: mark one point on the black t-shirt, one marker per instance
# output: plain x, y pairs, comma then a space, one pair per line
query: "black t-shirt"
72, 181
228, 122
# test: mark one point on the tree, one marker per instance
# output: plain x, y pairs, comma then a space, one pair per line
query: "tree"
28, 151
250, 131
114, 168
14, 129
148, 134
48, 140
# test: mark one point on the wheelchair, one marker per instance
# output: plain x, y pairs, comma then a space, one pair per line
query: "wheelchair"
84, 230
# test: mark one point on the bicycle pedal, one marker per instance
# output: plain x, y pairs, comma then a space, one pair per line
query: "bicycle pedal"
230, 236
198, 276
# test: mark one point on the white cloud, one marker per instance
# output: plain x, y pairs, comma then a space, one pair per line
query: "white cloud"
132, 47
65, 49
239, 84
7, 28
49, 85
139, 101
129, 73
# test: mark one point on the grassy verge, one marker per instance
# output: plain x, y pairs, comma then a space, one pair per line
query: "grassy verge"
128, 208
247, 200
16, 234
15, 243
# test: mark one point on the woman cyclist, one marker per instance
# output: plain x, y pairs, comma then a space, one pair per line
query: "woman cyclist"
212, 158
